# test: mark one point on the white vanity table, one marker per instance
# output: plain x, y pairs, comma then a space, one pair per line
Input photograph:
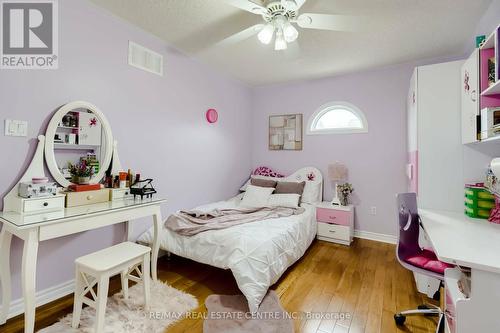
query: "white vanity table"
40, 219
37, 228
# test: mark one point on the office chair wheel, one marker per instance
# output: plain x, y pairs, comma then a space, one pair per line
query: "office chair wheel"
399, 319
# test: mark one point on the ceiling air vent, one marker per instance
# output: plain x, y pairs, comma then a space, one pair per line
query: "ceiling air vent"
145, 59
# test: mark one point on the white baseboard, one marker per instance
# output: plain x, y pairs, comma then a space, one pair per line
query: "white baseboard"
43, 297
375, 236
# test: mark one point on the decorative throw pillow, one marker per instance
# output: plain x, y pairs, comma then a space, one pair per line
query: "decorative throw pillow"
265, 171
243, 188
290, 200
256, 196
290, 187
263, 182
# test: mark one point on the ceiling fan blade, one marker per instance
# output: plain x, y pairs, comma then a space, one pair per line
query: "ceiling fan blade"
241, 36
329, 22
299, 3
248, 5
292, 4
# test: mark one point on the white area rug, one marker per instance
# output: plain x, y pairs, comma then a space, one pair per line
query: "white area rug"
168, 305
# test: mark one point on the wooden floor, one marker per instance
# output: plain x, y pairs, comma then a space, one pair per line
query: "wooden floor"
363, 280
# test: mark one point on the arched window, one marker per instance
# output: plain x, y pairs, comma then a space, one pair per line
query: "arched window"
337, 117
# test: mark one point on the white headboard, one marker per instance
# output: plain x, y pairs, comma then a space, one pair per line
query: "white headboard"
306, 174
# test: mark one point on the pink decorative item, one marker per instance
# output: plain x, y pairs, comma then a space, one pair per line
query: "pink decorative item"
265, 171
212, 116
39, 180
495, 212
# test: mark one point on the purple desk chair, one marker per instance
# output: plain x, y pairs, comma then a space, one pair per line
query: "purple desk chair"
412, 257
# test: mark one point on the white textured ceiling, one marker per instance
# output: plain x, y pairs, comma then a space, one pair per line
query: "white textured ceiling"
395, 31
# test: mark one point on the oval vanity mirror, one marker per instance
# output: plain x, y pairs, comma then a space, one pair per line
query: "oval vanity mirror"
78, 136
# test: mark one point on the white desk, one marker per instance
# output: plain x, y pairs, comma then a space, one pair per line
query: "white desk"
36, 228
473, 243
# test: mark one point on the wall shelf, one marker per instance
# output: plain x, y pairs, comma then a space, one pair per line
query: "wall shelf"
490, 146
493, 90
68, 146
490, 41
68, 127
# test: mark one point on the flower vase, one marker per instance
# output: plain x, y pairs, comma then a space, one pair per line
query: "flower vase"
83, 180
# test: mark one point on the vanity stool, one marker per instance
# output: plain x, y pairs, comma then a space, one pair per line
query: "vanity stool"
96, 268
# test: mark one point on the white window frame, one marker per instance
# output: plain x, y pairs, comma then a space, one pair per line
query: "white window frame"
313, 119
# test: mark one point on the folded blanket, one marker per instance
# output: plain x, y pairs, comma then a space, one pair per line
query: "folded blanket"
189, 223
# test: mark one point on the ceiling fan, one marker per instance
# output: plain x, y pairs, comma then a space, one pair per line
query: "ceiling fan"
279, 18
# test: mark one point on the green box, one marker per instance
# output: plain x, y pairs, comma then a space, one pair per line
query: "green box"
483, 204
477, 213
478, 193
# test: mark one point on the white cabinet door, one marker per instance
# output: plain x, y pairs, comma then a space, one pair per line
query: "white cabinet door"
470, 97
89, 129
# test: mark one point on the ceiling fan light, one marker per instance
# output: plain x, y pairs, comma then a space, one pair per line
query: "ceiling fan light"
280, 43
266, 35
290, 33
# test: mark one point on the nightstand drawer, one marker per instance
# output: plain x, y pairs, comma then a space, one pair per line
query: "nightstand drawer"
333, 216
334, 231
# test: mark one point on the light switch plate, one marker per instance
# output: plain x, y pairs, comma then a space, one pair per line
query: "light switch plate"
16, 127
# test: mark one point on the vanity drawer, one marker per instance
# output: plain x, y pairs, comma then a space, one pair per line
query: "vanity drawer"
333, 216
43, 204
74, 199
334, 231
118, 193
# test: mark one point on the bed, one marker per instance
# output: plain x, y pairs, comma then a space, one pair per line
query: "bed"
257, 253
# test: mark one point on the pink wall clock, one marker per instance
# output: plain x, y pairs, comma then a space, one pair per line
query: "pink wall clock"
212, 116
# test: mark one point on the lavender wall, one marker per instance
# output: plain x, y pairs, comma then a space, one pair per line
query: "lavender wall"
376, 160
158, 122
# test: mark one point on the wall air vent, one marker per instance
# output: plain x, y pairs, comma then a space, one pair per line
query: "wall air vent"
145, 59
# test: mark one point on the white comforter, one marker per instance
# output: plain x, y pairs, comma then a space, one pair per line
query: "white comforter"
257, 253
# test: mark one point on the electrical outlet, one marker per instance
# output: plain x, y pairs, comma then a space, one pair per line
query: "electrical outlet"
373, 210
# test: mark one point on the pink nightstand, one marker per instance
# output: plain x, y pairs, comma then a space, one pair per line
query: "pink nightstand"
335, 223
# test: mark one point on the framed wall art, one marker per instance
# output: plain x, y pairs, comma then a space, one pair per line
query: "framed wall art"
285, 132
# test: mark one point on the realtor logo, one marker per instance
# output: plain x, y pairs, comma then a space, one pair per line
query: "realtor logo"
29, 34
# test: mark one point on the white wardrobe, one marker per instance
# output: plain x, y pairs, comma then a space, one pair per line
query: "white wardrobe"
435, 150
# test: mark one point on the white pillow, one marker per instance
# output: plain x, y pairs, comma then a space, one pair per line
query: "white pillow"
312, 189
256, 196
290, 200
312, 192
